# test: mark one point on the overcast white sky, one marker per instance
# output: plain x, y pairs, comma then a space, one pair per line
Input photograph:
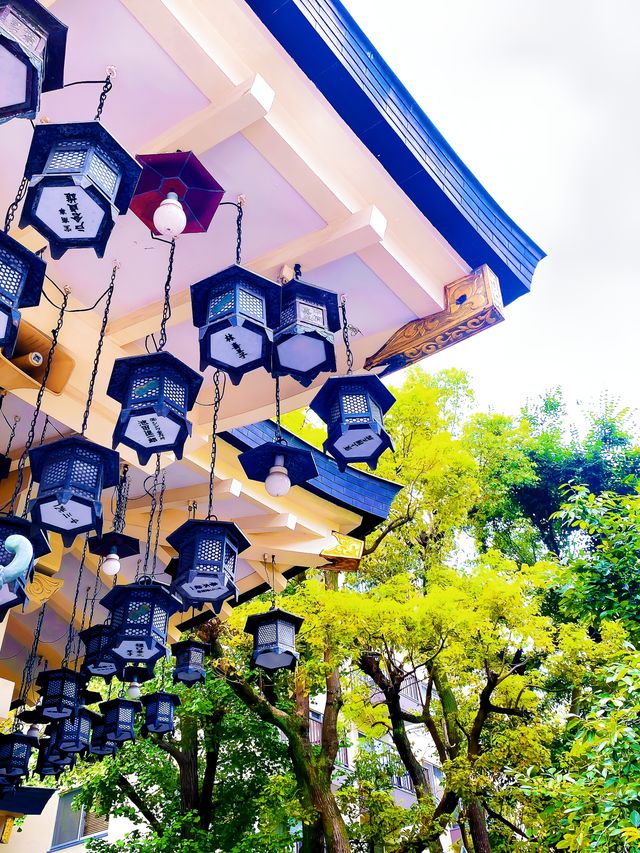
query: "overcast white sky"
541, 99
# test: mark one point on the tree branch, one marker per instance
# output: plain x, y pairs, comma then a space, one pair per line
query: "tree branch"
506, 822
131, 794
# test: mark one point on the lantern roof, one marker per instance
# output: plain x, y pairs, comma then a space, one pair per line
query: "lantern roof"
234, 275
32, 288
271, 615
46, 136
322, 402
299, 463
181, 645
110, 459
149, 698
185, 533
121, 594
301, 289
53, 73
125, 546
123, 369
178, 172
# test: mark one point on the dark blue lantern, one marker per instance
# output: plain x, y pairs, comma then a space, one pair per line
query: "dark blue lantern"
21, 280
32, 50
61, 693
274, 639
303, 344
98, 661
71, 472
292, 465
100, 743
139, 621
14, 592
207, 554
353, 408
189, 655
80, 179
235, 311
74, 733
156, 392
119, 719
159, 710
15, 752
5, 466
47, 766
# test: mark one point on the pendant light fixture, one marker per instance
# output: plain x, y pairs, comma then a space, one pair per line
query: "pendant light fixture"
189, 654
115, 544
32, 52
353, 407
21, 280
72, 472
80, 180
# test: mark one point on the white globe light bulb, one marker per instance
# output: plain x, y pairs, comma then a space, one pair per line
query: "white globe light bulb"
133, 690
170, 220
278, 483
111, 564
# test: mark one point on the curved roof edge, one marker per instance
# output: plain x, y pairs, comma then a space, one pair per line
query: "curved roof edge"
327, 44
363, 493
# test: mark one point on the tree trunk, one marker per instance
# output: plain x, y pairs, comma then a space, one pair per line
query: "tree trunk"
478, 827
407, 755
333, 825
313, 837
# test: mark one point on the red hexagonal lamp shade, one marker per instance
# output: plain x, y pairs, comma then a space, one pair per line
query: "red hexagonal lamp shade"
183, 174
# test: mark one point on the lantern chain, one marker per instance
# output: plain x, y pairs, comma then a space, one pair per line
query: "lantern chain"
32, 427
107, 87
122, 499
30, 487
82, 623
96, 360
239, 206
152, 512
13, 207
12, 433
214, 441
278, 436
70, 635
166, 307
346, 331
27, 672
158, 517
94, 596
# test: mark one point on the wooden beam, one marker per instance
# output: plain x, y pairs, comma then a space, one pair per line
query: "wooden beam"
244, 105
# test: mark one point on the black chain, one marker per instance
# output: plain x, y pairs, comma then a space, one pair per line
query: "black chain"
32, 427
158, 517
96, 586
239, 206
15, 204
346, 329
71, 633
214, 441
121, 500
96, 360
166, 306
43, 435
27, 672
278, 436
152, 512
12, 434
108, 86
82, 621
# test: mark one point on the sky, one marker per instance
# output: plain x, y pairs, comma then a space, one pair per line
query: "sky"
540, 100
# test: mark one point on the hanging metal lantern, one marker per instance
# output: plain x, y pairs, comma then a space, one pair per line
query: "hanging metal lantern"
274, 639
139, 621
207, 554
175, 194
353, 408
80, 179
61, 693
15, 752
303, 343
235, 311
119, 719
189, 655
159, 711
100, 743
32, 51
13, 592
74, 733
98, 661
21, 280
279, 466
156, 392
71, 473
46, 766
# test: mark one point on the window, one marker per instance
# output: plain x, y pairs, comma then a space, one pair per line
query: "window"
72, 825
